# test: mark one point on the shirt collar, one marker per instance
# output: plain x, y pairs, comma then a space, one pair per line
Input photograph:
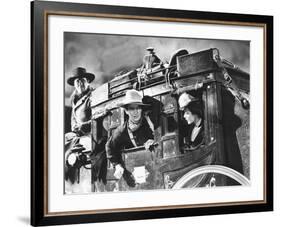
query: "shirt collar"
198, 124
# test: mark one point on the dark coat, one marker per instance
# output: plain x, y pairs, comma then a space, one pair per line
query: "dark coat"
120, 140
81, 126
187, 131
81, 112
150, 61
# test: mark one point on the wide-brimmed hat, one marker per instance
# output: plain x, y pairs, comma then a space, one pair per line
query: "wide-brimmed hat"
132, 97
186, 99
80, 72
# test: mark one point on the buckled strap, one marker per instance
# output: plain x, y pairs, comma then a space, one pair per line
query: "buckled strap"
132, 137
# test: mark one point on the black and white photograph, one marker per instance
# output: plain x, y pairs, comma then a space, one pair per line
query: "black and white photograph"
145, 113
155, 113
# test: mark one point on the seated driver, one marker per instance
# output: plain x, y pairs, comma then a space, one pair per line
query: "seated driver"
138, 130
193, 114
150, 62
151, 59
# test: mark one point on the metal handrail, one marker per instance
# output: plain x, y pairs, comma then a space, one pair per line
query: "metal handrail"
125, 82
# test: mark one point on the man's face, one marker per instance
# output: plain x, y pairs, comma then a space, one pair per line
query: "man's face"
189, 117
81, 85
134, 112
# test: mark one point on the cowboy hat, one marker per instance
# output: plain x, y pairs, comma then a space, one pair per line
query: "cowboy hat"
132, 97
80, 72
185, 99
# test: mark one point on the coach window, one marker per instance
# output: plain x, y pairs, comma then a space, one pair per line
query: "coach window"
191, 120
143, 118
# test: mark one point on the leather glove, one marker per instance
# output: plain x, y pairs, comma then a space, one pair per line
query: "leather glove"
148, 144
119, 170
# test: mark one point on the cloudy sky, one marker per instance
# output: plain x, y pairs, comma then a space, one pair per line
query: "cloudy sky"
106, 55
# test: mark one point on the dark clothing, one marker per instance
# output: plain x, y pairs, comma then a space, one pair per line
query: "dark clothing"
187, 131
81, 112
231, 122
99, 161
150, 61
71, 173
81, 127
154, 109
120, 140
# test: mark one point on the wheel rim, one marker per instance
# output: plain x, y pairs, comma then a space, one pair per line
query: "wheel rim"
212, 169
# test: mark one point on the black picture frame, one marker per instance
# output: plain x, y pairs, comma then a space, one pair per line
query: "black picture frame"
40, 11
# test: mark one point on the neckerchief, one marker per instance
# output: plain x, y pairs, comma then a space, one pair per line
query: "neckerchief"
134, 126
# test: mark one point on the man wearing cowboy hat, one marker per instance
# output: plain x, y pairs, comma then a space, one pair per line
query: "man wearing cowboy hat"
151, 59
151, 62
79, 139
80, 100
138, 130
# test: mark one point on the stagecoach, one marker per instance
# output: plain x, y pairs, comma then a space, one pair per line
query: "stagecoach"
223, 158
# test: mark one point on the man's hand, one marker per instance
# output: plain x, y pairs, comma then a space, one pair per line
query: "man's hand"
119, 170
148, 144
69, 136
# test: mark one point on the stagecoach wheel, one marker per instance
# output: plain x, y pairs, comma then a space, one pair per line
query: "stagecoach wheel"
209, 176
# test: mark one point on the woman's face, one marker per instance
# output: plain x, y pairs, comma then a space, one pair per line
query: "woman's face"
188, 116
134, 112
